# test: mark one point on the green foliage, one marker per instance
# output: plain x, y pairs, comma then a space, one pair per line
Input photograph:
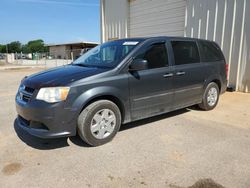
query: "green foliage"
14, 47
2, 48
25, 49
31, 47
36, 46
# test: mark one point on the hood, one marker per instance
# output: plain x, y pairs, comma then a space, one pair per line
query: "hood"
61, 76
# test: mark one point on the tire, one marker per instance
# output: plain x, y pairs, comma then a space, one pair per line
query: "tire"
207, 104
99, 122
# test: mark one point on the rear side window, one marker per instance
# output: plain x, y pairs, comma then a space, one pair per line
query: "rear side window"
185, 52
156, 55
210, 52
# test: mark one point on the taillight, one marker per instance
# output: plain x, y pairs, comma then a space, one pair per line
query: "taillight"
226, 67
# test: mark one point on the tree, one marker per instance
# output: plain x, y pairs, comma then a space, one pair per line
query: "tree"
25, 49
14, 47
35, 46
2, 48
31, 47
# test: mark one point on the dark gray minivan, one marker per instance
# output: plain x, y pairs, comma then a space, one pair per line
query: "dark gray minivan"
118, 82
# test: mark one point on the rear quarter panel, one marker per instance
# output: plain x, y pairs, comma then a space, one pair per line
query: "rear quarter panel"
215, 71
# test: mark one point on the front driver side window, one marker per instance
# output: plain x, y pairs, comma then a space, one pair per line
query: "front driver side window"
156, 55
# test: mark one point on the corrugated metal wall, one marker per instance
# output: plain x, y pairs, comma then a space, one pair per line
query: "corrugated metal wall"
137, 18
226, 22
157, 17
114, 19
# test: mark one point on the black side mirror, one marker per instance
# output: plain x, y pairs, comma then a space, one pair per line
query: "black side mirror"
138, 64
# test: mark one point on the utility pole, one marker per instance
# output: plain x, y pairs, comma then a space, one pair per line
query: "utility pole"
7, 48
7, 53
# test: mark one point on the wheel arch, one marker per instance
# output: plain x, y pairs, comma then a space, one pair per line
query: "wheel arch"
103, 93
215, 79
108, 97
218, 82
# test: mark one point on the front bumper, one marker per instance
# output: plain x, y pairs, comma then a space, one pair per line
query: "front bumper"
46, 120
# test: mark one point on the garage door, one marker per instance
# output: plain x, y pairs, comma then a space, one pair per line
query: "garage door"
156, 17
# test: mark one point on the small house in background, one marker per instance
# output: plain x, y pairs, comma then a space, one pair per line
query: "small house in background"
69, 50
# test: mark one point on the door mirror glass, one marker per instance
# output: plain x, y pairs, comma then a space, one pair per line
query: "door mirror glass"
138, 64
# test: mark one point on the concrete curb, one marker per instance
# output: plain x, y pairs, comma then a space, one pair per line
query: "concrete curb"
21, 67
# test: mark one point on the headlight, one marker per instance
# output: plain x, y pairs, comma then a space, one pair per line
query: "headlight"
53, 94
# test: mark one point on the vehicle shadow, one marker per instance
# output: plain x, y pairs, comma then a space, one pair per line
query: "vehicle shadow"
78, 141
49, 144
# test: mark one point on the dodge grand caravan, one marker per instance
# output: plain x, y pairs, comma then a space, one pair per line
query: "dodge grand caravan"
119, 82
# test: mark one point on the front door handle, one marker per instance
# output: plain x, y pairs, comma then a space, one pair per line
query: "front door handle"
180, 73
168, 75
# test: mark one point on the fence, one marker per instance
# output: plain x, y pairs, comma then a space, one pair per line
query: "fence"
49, 59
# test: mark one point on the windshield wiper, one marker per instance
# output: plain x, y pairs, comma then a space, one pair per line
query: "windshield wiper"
84, 65
81, 65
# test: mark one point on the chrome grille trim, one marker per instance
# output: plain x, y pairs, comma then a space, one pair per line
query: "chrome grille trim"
24, 93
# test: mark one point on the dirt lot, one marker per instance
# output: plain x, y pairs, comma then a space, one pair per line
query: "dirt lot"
180, 149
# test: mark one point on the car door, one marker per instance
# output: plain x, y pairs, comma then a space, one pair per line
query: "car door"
189, 73
151, 89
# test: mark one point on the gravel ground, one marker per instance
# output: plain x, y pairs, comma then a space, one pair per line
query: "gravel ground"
185, 148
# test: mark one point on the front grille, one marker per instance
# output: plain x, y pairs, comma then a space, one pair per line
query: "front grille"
26, 98
29, 89
25, 93
38, 125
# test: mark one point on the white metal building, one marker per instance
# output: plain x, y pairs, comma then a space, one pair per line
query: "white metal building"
224, 21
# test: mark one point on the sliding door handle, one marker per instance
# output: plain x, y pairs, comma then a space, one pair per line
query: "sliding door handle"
180, 73
167, 75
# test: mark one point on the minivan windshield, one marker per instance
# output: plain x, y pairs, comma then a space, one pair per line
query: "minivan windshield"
107, 55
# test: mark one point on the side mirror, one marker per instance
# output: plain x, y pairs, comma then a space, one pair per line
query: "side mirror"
138, 64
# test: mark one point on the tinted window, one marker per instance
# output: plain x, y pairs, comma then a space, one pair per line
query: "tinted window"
185, 52
210, 51
156, 55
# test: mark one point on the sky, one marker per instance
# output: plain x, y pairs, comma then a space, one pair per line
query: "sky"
54, 21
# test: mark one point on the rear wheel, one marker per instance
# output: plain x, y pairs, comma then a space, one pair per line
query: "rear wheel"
210, 97
99, 122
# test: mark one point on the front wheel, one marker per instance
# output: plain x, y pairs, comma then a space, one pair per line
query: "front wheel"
99, 122
210, 97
